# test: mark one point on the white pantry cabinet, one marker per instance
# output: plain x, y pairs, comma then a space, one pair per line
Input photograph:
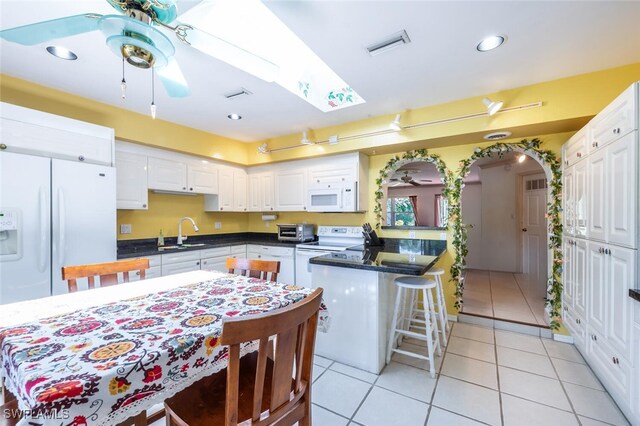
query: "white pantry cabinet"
600, 247
131, 181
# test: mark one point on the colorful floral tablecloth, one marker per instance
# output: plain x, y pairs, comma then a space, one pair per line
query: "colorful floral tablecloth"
101, 365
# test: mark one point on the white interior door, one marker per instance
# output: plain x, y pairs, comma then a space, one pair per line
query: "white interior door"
534, 233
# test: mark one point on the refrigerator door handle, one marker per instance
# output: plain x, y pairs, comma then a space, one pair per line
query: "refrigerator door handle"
61, 227
44, 229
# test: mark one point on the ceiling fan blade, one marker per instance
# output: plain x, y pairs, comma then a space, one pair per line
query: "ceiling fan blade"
31, 34
173, 80
414, 183
229, 53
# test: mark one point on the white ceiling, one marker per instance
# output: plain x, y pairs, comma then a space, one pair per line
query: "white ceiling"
546, 40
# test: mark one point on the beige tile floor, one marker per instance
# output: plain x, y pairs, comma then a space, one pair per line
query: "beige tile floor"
503, 295
484, 376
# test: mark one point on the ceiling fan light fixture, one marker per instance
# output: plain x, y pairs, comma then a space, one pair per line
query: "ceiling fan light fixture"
62, 53
490, 43
234, 116
395, 124
263, 149
522, 158
137, 56
492, 106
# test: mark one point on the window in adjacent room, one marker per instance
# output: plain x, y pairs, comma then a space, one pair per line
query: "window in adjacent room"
400, 212
441, 210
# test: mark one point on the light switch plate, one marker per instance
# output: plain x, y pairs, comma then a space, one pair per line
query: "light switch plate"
412, 234
125, 228
217, 225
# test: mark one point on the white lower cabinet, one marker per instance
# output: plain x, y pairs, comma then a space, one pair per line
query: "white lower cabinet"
612, 369
176, 263
285, 255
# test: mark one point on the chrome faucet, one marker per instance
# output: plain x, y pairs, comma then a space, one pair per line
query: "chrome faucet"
180, 237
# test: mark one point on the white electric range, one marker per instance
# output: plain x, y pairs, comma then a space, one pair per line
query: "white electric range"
331, 239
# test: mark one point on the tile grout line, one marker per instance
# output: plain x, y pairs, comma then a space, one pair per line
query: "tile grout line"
566, 394
525, 298
495, 348
438, 375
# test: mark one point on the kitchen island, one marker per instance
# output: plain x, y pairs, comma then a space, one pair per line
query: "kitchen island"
359, 290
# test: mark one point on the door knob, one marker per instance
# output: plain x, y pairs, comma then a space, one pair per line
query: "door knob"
524, 229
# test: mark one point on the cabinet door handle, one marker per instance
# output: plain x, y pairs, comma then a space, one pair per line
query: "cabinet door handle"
144, 206
190, 189
184, 188
198, 263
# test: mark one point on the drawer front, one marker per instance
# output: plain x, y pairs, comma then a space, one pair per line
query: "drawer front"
613, 370
618, 119
180, 267
269, 250
215, 252
170, 258
240, 250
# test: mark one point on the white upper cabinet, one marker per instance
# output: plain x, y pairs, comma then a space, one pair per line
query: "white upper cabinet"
54, 136
239, 190
576, 148
596, 224
580, 200
291, 190
182, 176
622, 190
616, 120
202, 178
167, 175
261, 192
131, 181
232, 194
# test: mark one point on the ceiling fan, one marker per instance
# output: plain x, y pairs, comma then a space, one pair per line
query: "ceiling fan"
134, 36
408, 179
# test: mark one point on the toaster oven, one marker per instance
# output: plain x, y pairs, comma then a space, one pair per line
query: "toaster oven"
295, 232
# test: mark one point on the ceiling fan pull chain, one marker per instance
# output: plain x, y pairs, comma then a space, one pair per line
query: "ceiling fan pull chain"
123, 84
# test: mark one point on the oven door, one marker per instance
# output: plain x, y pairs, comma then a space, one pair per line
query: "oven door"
303, 268
325, 200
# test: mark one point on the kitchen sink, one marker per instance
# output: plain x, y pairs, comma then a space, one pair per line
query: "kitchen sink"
192, 245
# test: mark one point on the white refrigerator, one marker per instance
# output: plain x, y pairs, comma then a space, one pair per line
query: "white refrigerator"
53, 213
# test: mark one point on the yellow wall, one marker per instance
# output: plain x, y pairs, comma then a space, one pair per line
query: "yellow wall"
128, 125
164, 212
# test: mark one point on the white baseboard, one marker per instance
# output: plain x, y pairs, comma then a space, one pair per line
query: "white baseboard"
452, 318
563, 338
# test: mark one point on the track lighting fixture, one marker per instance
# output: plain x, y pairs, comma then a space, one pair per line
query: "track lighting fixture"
305, 140
492, 106
395, 124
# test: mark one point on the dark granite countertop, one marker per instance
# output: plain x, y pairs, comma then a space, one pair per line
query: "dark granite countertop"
634, 293
148, 246
397, 256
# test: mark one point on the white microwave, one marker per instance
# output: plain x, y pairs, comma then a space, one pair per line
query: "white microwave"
333, 197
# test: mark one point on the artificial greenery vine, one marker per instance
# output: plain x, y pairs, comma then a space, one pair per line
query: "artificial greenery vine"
397, 161
554, 207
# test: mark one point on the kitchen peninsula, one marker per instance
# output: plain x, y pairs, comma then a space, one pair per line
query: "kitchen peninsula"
358, 285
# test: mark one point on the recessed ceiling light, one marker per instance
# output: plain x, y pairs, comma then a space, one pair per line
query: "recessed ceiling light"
490, 43
234, 117
62, 53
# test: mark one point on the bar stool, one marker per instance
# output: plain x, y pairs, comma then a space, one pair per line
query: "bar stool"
440, 303
401, 323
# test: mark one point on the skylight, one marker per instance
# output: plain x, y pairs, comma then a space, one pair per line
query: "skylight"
250, 25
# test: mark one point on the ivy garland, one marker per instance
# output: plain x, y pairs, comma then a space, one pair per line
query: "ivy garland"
554, 207
397, 161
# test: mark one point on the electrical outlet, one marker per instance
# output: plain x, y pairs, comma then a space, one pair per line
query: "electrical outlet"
412, 234
125, 228
267, 224
217, 225
443, 235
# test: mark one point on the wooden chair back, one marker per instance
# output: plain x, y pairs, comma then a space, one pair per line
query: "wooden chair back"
108, 272
260, 388
254, 268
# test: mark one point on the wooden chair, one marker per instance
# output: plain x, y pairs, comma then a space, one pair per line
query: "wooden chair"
254, 268
108, 272
255, 388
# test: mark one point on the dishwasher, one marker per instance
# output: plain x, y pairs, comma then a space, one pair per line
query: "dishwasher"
286, 256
